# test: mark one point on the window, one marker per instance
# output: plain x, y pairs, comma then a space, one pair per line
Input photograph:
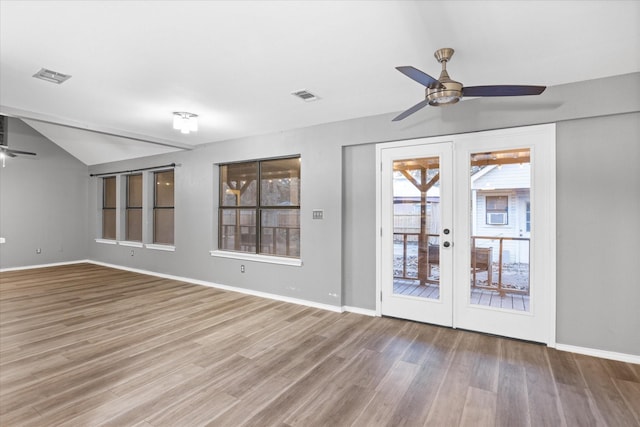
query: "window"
163, 208
109, 208
259, 207
133, 228
497, 210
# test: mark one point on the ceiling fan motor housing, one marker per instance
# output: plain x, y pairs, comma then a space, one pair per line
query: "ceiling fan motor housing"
449, 92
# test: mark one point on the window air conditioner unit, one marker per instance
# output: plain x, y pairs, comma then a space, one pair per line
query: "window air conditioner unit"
497, 218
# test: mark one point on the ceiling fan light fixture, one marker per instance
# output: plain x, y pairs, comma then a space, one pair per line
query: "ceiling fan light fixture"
185, 122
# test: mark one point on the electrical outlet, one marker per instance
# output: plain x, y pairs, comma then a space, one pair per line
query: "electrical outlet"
242, 268
39, 250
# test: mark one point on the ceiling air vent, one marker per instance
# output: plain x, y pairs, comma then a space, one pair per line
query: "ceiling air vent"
305, 95
51, 76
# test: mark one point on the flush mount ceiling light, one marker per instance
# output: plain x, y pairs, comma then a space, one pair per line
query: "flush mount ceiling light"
51, 76
185, 122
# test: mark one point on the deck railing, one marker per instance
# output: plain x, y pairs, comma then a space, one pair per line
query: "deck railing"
406, 261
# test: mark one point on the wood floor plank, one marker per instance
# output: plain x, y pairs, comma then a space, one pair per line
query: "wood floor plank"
479, 408
262, 394
564, 368
513, 406
607, 396
301, 391
630, 391
387, 395
87, 345
541, 391
578, 409
449, 402
418, 400
484, 374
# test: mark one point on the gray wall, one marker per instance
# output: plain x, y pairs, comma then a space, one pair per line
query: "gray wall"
196, 184
43, 202
598, 223
359, 224
338, 174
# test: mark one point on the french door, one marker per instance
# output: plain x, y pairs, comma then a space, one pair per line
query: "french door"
467, 231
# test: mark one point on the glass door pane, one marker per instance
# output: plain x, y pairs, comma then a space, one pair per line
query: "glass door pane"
500, 221
416, 227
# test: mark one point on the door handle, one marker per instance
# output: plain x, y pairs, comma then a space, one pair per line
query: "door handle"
446, 244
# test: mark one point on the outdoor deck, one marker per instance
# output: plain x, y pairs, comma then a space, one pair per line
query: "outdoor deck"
483, 297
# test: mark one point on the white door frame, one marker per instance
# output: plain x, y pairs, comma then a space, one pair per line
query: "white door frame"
549, 259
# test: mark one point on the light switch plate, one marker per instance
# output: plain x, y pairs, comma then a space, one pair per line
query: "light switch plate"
318, 214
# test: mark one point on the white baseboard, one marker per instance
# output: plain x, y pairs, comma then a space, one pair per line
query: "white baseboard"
226, 287
604, 354
359, 310
53, 264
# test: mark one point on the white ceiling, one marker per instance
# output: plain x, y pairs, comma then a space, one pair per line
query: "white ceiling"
235, 63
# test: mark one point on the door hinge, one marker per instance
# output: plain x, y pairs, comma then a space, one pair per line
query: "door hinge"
380, 295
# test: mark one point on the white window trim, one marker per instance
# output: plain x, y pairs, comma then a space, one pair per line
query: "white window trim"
157, 247
295, 262
107, 241
130, 243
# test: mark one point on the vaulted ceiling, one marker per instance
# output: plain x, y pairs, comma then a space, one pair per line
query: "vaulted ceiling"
236, 63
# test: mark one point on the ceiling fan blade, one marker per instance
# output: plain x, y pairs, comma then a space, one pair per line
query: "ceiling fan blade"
11, 153
417, 75
411, 110
502, 90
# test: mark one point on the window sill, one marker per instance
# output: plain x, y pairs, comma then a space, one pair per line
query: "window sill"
295, 262
106, 241
167, 248
132, 244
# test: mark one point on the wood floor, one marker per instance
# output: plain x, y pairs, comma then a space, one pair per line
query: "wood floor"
85, 345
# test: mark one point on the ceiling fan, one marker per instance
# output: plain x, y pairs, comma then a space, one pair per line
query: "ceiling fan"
5, 151
8, 152
445, 91
13, 153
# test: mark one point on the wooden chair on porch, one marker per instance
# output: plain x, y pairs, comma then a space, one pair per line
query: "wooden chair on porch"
480, 261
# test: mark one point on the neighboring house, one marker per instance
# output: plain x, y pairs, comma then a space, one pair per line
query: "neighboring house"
502, 208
